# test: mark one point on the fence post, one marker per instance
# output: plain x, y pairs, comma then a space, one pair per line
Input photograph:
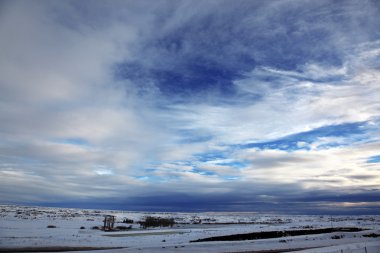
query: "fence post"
365, 248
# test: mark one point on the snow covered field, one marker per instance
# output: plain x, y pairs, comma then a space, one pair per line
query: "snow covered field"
27, 228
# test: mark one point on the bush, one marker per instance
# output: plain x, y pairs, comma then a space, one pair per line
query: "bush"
157, 222
337, 237
82, 227
51, 226
96, 227
128, 221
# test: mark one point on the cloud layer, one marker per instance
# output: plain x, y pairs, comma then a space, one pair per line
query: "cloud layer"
210, 105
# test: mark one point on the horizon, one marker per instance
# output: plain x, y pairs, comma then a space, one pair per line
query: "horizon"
210, 105
274, 213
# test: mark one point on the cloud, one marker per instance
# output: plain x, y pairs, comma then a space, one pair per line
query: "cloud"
131, 100
333, 168
57, 84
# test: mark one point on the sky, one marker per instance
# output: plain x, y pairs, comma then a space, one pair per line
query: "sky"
263, 106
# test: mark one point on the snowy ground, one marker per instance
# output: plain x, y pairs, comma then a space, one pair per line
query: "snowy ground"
27, 227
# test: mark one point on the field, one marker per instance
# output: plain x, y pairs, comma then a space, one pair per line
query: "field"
41, 229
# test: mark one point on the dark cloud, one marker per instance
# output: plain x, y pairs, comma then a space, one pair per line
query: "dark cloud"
316, 203
206, 47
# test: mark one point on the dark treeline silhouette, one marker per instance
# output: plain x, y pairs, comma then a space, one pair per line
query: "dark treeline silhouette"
157, 222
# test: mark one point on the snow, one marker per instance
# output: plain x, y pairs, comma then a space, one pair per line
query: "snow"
26, 227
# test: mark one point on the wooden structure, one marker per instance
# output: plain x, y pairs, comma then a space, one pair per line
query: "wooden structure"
109, 222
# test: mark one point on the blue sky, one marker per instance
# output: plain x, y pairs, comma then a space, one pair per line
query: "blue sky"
270, 106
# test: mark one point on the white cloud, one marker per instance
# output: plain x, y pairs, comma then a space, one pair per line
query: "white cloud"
57, 85
290, 107
334, 168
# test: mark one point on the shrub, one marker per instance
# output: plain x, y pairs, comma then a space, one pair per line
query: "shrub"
82, 227
51, 226
95, 227
337, 237
157, 222
128, 221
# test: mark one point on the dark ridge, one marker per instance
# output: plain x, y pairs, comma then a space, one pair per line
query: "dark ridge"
372, 235
276, 234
